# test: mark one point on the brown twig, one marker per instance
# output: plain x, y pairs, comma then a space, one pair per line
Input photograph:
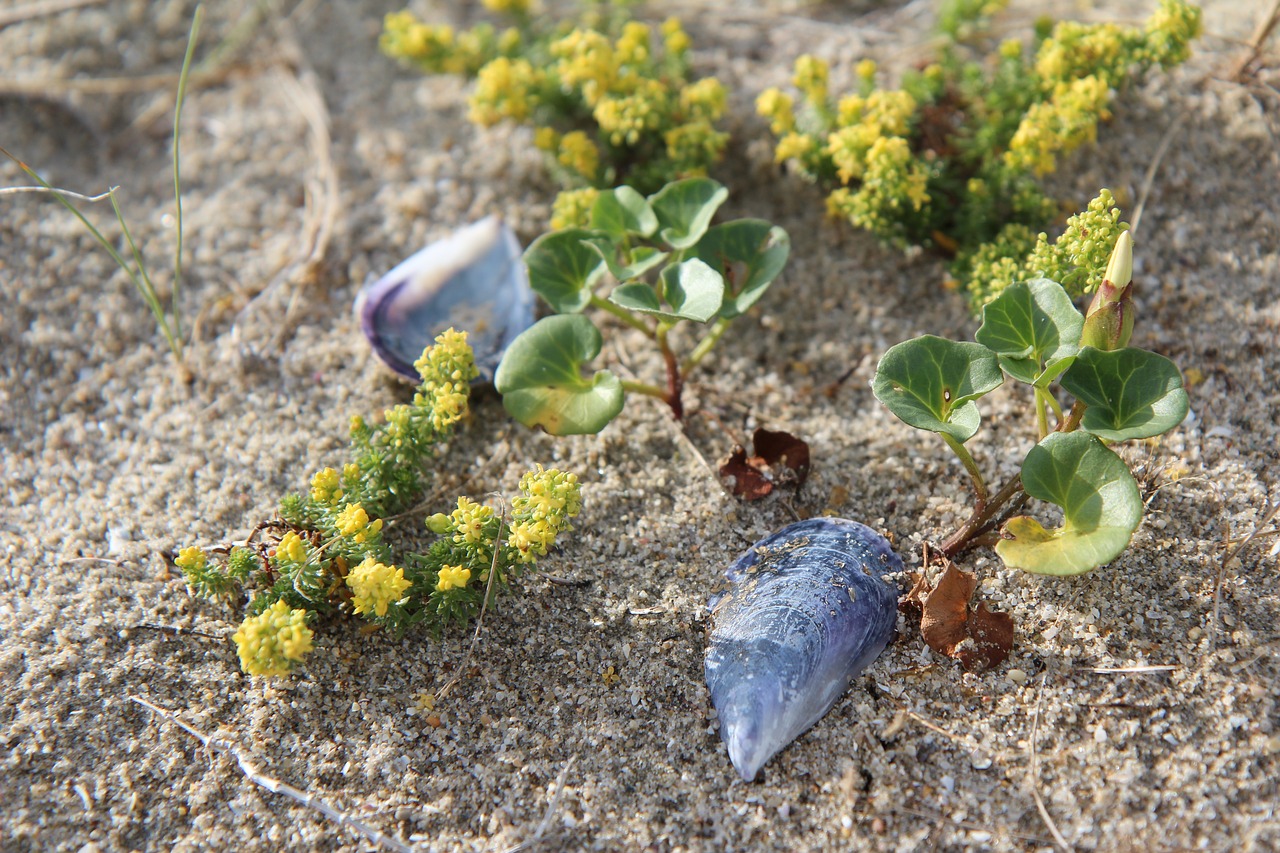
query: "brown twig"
1260, 35
1034, 776
1227, 557
42, 8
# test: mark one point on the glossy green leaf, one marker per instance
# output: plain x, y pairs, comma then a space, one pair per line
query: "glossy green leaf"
541, 381
931, 383
749, 253
640, 260
563, 269
1033, 328
1100, 502
1130, 392
622, 211
684, 209
691, 289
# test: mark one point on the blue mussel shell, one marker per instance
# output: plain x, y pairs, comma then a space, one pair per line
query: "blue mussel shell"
809, 608
473, 280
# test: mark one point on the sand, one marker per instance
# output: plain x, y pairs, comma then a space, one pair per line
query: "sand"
1135, 717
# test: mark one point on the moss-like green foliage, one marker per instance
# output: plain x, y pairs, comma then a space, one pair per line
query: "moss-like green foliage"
612, 101
951, 159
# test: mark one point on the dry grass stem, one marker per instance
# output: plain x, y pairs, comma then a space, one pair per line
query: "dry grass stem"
484, 605
56, 191
1034, 778
552, 806
42, 8
274, 785
1257, 532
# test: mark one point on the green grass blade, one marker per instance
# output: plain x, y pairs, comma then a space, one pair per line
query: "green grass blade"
176, 302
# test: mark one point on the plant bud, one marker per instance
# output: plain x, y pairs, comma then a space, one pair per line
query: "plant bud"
1108, 324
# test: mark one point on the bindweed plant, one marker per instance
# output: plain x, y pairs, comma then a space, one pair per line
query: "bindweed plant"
667, 264
952, 158
1033, 334
326, 553
611, 103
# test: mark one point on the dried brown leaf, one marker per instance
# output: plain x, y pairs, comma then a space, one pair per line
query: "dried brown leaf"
979, 639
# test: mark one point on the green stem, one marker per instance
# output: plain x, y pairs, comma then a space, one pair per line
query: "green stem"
644, 388
622, 314
1042, 414
975, 476
708, 342
1053, 404
176, 302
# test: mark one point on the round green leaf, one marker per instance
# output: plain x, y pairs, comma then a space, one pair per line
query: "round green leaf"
1130, 392
692, 289
1034, 329
622, 211
640, 260
541, 382
931, 383
684, 209
1100, 502
749, 253
563, 269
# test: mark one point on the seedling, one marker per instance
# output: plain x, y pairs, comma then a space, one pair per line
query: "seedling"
1033, 334
668, 266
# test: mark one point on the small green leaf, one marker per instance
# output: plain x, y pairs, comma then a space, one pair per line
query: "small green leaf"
622, 211
1100, 502
684, 209
1131, 393
749, 253
642, 258
563, 268
692, 289
541, 382
931, 383
1034, 329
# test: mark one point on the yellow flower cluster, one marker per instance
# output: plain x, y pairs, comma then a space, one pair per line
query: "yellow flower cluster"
447, 369
572, 208
624, 118
779, 108
1063, 123
505, 89
436, 48
273, 641
469, 521
453, 577
576, 151
326, 487
353, 523
192, 560
292, 549
811, 78
550, 498
508, 7
374, 586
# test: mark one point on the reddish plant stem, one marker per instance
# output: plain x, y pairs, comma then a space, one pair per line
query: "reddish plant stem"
984, 515
675, 382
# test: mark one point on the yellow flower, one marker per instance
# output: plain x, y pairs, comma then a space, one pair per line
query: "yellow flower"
446, 368
531, 539
192, 560
632, 47
273, 641
353, 523
794, 146
572, 208
326, 487
704, 99
811, 78
866, 70
579, 153
674, 39
291, 549
546, 139
586, 61
507, 7
469, 520
504, 88
453, 577
374, 586
779, 108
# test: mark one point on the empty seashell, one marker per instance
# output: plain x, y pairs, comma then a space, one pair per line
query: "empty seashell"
473, 280
808, 609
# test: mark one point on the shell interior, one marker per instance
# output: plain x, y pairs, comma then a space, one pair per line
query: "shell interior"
808, 609
473, 280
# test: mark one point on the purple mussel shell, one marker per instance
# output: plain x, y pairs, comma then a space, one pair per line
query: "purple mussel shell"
809, 608
473, 280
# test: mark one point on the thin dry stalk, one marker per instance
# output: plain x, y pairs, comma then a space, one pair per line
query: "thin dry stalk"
41, 9
484, 605
1260, 35
1119, 670
552, 806
55, 191
275, 786
1034, 777
1227, 557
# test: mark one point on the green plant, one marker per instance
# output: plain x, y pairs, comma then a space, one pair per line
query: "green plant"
952, 158
168, 315
1032, 333
326, 553
668, 264
609, 105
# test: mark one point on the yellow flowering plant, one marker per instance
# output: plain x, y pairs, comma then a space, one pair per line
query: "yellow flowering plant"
612, 99
952, 158
326, 552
